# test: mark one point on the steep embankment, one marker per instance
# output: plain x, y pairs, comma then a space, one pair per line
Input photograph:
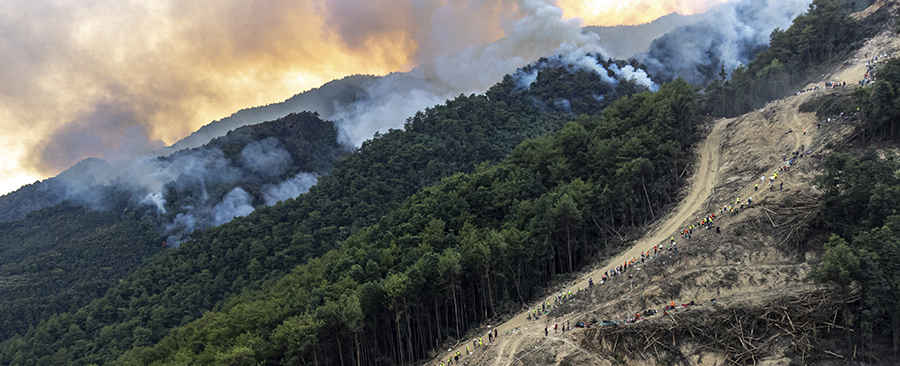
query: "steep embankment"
757, 257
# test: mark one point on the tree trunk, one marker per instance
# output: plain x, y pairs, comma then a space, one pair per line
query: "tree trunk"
409, 339
455, 309
846, 320
569, 245
895, 320
399, 340
356, 338
437, 323
483, 292
487, 272
649, 205
340, 349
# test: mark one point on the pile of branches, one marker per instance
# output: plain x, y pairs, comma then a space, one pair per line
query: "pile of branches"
790, 326
792, 220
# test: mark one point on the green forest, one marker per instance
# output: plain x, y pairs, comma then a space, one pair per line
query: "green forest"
178, 286
861, 210
460, 251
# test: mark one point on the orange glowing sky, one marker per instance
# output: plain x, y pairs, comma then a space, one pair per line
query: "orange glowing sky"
113, 78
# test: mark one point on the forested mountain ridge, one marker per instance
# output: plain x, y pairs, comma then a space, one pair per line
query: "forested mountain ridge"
59, 258
458, 252
178, 286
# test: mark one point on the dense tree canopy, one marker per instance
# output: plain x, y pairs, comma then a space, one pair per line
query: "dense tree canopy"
460, 251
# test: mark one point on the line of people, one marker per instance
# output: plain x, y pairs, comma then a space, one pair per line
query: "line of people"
476, 344
562, 298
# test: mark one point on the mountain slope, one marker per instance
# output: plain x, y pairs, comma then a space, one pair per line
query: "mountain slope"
61, 257
748, 275
385, 292
202, 274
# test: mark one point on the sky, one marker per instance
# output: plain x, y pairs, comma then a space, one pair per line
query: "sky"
115, 79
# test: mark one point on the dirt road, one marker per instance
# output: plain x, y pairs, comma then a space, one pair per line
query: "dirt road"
524, 333
702, 183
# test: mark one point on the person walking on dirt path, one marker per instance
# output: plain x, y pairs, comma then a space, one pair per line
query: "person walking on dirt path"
546, 332
556, 328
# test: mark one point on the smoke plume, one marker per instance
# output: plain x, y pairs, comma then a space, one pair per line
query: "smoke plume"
538, 30
290, 188
729, 37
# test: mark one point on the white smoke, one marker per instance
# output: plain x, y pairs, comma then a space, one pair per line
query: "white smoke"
265, 157
290, 188
157, 200
539, 31
236, 203
729, 37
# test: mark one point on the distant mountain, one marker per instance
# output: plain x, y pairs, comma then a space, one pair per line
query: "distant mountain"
322, 100
78, 180
625, 41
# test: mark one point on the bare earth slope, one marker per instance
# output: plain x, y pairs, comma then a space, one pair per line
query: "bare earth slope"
756, 258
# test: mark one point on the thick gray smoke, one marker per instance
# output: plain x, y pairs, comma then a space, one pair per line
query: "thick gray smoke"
290, 188
236, 203
323, 100
265, 157
540, 31
730, 36
195, 175
452, 60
